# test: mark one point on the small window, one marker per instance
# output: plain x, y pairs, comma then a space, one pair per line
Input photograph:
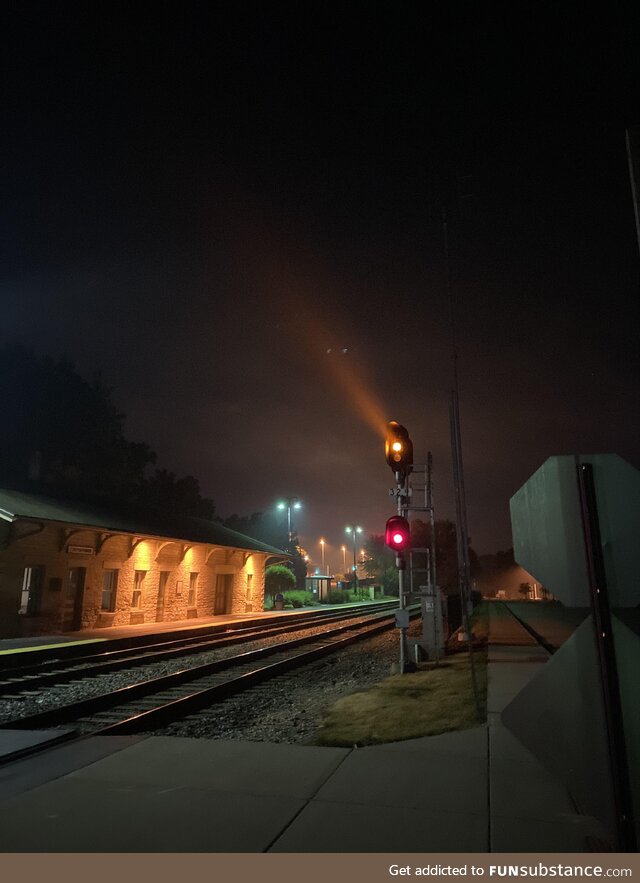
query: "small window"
138, 584
31, 591
109, 588
193, 586
249, 587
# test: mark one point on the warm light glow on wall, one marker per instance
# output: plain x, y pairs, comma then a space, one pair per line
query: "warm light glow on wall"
188, 558
143, 556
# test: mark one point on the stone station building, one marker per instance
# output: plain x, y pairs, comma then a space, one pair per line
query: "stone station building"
70, 566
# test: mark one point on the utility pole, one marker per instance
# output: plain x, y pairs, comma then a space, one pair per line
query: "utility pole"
462, 535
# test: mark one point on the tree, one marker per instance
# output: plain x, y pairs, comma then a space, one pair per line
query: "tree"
259, 525
164, 491
380, 563
64, 436
264, 526
446, 551
496, 572
278, 579
62, 433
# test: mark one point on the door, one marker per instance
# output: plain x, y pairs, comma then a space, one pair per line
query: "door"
72, 602
162, 590
224, 586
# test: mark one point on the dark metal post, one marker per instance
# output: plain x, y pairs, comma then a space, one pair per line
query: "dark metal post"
403, 488
619, 769
633, 158
432, 522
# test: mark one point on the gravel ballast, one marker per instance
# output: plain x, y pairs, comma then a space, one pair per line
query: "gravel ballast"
286, 709
291, 708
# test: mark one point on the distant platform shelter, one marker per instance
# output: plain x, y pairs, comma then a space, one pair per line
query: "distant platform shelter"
68, 566
319, 585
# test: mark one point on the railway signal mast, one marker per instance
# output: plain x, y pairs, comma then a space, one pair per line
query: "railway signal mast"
399, 455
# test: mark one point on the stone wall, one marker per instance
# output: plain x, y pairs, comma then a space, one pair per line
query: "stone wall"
58, 550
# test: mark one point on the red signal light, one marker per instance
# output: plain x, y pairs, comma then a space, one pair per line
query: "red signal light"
397, 534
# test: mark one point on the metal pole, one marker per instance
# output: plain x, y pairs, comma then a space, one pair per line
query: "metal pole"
633, 158
401, 564
613, 711
432, 557
462, 541
355, 572
403, 632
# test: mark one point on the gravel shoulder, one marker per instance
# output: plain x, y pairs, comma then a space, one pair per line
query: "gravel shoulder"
273, 706
291, 708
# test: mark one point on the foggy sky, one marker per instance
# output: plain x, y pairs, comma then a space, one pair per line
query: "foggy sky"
201, 202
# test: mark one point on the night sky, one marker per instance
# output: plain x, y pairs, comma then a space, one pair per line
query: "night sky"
203, 199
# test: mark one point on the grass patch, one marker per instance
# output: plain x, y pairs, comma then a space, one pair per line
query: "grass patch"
480, 620
435, 699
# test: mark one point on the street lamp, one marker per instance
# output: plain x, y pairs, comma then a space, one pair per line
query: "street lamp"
344, 559
354, 530
289, 503
322, 543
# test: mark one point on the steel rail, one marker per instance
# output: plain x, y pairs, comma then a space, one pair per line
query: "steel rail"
56, 672
66, 714
179, 708
63, 653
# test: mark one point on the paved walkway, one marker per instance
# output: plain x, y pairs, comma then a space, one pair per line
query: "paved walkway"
477, 790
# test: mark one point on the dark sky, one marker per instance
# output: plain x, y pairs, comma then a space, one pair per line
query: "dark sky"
201, 199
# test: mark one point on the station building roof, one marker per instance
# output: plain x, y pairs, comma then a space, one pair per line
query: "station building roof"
127, 519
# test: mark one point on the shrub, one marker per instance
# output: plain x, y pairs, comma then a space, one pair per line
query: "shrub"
298, 598
277, 578
337, 596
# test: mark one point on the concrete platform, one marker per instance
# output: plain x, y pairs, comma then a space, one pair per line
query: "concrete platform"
477, 790
116, 633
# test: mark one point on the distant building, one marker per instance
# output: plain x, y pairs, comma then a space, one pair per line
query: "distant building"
319, 585
68, 566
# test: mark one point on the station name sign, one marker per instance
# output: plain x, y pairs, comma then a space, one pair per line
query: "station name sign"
80, 550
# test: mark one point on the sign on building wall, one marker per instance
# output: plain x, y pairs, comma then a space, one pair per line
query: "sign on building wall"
80, 550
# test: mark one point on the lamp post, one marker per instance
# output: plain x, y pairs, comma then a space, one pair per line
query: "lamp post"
344, 559
322, 543
354, 530
289, 503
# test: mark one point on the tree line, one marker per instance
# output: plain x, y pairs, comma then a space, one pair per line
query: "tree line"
63, 436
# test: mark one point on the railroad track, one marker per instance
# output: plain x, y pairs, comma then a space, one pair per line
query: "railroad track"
150, 704
43, 675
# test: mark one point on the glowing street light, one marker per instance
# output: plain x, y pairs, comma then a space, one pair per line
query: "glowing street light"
344, 558
289, 503
322, 544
